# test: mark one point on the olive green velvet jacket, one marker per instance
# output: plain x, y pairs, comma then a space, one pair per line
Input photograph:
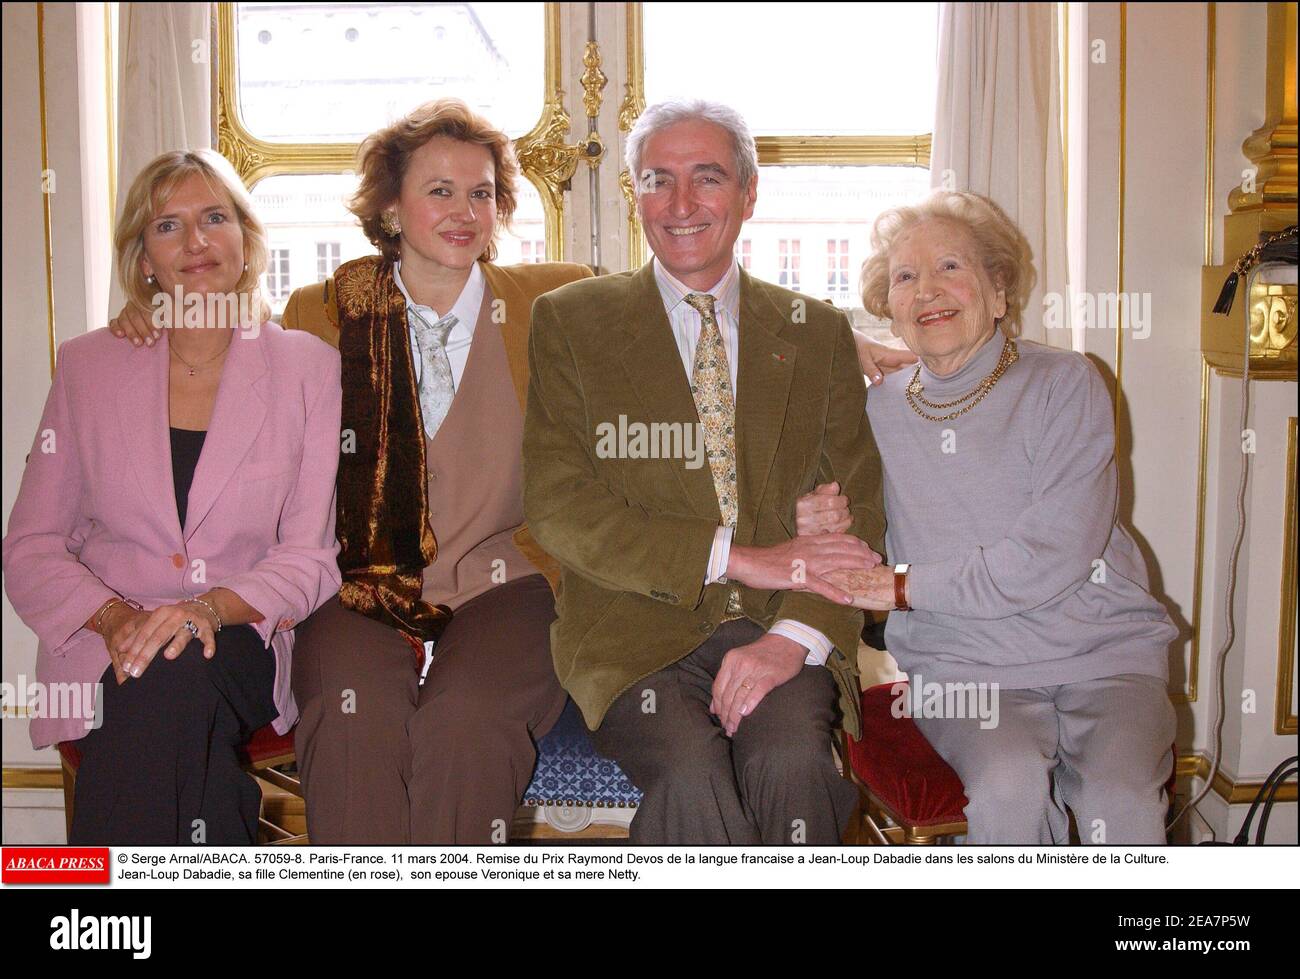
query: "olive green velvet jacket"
633, 535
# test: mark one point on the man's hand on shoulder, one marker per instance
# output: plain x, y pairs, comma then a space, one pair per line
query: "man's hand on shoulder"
749, 673
877, 360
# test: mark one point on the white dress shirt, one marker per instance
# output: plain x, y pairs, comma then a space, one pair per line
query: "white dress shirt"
459, 338
686, 324
465, 309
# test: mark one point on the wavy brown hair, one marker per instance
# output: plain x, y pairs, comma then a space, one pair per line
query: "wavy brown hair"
384, 156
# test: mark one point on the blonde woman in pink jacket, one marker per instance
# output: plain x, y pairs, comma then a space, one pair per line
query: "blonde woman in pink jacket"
176, 520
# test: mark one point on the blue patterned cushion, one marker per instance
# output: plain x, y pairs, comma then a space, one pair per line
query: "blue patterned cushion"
570, 771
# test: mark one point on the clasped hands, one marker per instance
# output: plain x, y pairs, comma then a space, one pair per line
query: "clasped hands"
822, 559
135, 636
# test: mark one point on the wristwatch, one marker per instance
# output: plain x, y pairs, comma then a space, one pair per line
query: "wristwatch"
900, 588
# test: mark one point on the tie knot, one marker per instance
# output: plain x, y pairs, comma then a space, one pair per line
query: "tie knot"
701, 302
437, 331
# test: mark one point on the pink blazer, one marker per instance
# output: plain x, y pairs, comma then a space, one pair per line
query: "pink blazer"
96, 513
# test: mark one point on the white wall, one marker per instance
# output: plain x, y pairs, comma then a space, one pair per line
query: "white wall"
1165, 127
76, 139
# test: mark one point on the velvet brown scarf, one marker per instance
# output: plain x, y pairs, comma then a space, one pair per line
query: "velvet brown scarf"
383, 507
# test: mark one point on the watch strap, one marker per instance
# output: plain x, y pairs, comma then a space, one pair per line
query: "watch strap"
900, 591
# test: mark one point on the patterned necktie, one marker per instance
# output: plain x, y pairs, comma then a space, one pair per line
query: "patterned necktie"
437, 387
716, 406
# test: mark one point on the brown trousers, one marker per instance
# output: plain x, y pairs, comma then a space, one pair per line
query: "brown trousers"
773, 783
385, 760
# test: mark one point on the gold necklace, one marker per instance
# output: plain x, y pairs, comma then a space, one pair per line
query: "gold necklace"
195, 368
916, 393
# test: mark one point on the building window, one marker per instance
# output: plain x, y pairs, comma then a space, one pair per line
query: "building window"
327, 259
866, 155
788, 263
532, 251
277, 275
746, 254
837, 268
327, 84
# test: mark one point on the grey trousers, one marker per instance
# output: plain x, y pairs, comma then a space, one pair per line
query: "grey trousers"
773, 783
1106, 745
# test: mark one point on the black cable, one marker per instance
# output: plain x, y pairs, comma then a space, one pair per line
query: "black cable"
1268, 805
1243, 836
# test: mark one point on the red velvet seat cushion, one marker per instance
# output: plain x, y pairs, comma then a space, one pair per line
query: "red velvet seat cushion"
264, 744
70, 752
897, 763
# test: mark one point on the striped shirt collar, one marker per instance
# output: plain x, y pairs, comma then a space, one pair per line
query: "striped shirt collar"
725, 292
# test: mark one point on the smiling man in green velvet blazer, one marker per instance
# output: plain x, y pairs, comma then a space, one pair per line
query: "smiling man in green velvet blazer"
695, 629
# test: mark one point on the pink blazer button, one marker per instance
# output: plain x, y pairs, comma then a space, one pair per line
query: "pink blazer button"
178, 561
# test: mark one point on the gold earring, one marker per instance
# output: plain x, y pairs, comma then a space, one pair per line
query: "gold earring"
388, 224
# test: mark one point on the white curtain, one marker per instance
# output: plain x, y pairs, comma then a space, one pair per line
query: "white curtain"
164, 90
997, 130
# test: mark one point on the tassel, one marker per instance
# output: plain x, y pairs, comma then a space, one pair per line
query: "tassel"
1226, 295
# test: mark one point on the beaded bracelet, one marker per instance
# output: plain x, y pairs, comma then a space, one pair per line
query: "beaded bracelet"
99, 619
211, 608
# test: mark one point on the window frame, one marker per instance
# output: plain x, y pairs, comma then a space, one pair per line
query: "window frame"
544, 158
772, 150
279, 277
789, 263
329, 257
837, 267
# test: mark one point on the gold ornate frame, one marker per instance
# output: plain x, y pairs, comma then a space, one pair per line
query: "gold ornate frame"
544, 156
772, 150
1284, 715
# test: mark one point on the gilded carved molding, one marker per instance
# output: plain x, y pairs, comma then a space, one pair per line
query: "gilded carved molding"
772, 150
544, 157
629, 111
1272, 147
593, 80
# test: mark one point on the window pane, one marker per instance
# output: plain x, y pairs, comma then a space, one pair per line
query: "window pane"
325, 73
309, 226
807, 218
879, 63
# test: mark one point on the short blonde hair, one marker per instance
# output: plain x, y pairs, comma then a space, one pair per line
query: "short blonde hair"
383, 157
1002, 250
150, 192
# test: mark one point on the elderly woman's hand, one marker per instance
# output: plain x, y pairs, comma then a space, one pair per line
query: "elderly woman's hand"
823, 511
871, 588
878, 360
134, 324
164, 630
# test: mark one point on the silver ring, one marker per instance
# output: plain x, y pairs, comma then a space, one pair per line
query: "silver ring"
193, 629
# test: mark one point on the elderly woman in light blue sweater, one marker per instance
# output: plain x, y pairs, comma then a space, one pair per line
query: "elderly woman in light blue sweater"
1011, 572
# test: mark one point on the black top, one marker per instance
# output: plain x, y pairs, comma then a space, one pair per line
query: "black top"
186, 446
